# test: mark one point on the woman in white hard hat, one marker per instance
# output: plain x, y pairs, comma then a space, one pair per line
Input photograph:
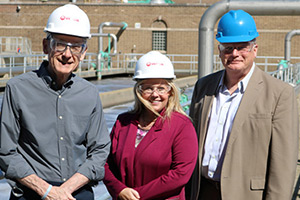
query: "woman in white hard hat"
154, 146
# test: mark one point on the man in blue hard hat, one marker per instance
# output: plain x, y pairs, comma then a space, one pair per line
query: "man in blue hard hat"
246, 121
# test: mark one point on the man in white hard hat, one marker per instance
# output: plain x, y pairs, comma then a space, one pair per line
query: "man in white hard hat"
246, 121
53, 138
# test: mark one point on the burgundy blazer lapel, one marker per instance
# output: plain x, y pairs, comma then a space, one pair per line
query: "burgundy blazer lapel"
128, 135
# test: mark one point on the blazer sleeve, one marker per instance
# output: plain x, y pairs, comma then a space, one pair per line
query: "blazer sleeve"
113, 185
185, 152
284, 147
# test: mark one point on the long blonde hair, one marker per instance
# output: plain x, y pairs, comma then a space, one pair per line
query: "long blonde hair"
173, 104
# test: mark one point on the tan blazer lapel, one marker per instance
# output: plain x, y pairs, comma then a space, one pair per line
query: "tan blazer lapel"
252, 91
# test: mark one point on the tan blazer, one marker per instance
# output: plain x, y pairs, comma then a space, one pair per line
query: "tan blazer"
262, 151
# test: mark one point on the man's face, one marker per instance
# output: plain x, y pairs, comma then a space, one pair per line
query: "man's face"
238, 58
64, 53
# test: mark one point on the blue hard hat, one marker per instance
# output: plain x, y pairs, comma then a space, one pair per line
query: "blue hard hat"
236, 26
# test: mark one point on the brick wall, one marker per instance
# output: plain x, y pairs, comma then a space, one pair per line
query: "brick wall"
182, 21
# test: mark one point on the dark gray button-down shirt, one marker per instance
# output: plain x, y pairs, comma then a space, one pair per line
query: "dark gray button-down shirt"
52, 133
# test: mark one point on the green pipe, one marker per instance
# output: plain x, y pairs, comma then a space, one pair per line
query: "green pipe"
125, 25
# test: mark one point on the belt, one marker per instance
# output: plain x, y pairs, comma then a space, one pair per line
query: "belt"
216, 184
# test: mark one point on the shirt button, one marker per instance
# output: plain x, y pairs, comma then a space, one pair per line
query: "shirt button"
60, 117
59, 96
64, 179
62, 159
61, 138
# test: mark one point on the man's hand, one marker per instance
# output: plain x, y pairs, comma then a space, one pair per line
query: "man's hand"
129, 194
64, 192
58, 193
74, 183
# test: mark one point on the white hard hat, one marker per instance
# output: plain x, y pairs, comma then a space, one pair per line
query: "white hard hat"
70, 20
154, 65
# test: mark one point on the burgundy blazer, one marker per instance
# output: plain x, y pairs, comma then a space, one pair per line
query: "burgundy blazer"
161, 164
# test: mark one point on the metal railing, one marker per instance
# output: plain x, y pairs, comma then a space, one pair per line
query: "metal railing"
12, 65
15, 45
290, 74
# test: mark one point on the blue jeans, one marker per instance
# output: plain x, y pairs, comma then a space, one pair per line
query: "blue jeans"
84, 193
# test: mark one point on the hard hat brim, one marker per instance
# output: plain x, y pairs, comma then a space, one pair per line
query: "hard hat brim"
135, 78
64, 33
235, 39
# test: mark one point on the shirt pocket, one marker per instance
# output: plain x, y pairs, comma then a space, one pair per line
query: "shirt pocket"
257, 184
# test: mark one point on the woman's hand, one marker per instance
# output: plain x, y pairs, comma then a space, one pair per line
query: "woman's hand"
129, 194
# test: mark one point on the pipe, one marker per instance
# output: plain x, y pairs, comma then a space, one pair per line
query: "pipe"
206, 37
123, 26
100, 35
99, 56
118, 35
287, 44
213, 13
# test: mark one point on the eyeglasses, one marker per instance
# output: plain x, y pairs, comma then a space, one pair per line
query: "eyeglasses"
241, 49
61, 46
149, 89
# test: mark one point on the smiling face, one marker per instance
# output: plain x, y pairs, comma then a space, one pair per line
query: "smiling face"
63, 63
238, 58
158, 98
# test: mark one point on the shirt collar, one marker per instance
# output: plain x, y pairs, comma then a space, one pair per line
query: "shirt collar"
45, 75
242, 85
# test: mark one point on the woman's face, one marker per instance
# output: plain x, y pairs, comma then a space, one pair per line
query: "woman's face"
156, 91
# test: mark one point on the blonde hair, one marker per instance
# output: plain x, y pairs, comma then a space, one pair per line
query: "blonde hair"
173, 104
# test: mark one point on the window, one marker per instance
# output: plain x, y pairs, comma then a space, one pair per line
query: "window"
159, 40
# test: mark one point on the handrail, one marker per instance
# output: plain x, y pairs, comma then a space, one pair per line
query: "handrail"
125, 63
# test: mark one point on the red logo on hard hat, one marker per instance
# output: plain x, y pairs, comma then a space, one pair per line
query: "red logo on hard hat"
64, 18
149, 63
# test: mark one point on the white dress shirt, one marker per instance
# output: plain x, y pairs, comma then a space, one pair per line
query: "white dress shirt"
220, 122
